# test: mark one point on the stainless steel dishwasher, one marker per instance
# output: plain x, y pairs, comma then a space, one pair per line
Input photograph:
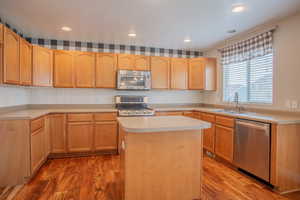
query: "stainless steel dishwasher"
252, 147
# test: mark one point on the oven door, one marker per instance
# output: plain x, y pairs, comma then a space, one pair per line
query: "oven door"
134, 80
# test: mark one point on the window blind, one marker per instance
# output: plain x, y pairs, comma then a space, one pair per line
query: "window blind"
251, 79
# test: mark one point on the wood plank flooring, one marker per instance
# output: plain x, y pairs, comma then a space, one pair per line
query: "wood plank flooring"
97, 178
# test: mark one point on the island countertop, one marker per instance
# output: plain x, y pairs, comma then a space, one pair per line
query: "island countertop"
161, 124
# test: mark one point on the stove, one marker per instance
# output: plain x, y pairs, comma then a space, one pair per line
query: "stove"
130, 106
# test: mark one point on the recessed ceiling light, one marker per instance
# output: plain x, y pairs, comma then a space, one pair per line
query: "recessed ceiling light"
132, 35
187, 40
238, 8
65, 28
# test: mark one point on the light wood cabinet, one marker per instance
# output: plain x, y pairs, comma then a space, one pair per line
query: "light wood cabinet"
106, 135
42, 66
80, 136
133, 62
170, 113
126, 61
25, 62
210, 75
84, 66
63, 69
160, 72
209, 138
179, 73
57, 132
224, 142
11, 57
196, 73
106, 70
141, 62
1, 33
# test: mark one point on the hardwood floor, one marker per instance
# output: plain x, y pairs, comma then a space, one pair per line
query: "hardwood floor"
91, 178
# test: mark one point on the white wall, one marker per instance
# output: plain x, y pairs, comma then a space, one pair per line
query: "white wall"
286, 66
106, 96
13, 95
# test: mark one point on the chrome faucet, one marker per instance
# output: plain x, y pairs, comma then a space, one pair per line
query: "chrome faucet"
238, 107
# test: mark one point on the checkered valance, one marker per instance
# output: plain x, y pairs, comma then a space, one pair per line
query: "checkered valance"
259, 45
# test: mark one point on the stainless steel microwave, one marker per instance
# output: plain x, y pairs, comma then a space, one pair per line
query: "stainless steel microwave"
133, 80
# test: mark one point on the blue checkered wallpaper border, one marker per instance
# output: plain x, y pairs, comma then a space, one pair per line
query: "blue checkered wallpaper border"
109, 48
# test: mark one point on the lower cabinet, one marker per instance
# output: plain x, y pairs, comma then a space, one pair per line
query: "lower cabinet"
224, 142
169, 113
209, 138
106, 135
57, 132
80, 137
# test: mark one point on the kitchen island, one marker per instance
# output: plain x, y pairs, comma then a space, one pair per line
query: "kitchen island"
161, 157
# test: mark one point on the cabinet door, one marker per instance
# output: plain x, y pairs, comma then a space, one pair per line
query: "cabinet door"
42, 66
106, 137
25, 63
80, 136
106, 70
142, 62
57, 131
224, 142
209, 138
63, 69
126, 61
84, 66
210, 74
160, 71
179, 73
1, 33
11, 58
47, 136
37, 149
196, 74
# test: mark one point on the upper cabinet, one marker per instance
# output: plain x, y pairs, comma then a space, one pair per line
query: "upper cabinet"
25, 62
141, 62
133, 62
202, 74
84, 66
42, 66
1, 33
179, 73
11, 57
63, 69
196, 73
126, 61
106, 70
160, 71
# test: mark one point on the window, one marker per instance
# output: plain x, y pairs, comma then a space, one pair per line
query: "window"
251, 79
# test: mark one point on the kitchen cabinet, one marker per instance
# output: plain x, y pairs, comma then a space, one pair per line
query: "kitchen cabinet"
57, 132
196, 73
63, 69
80, 136
84, 66
179, 73
42, 66
209, 134
171, 113
106, 70
106, 135
25, 62
224, 142
1, 33
11, 57
202, 74
126, 61
160, 72
141, 62
37, 144
133, 62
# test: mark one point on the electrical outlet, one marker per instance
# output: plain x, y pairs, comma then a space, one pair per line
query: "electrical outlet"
294, 104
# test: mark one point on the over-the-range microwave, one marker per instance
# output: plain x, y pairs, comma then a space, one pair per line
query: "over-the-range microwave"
133, 80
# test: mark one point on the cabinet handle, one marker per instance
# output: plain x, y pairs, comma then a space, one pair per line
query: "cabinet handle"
123, 145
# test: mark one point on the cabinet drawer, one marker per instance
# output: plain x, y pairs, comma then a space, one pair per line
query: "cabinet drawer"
225, 121
106, 116
198, 115
209, 117
80, 117
169, 113
189, 114
37, 124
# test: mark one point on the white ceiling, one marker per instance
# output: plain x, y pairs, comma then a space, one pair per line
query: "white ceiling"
157, 23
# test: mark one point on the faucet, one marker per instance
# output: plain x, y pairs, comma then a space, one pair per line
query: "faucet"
238, 107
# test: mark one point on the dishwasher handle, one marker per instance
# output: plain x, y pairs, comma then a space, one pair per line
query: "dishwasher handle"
253, 124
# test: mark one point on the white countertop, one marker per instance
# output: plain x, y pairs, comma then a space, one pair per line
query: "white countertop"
161, 124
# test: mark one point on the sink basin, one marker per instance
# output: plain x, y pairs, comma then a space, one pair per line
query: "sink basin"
232, 112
